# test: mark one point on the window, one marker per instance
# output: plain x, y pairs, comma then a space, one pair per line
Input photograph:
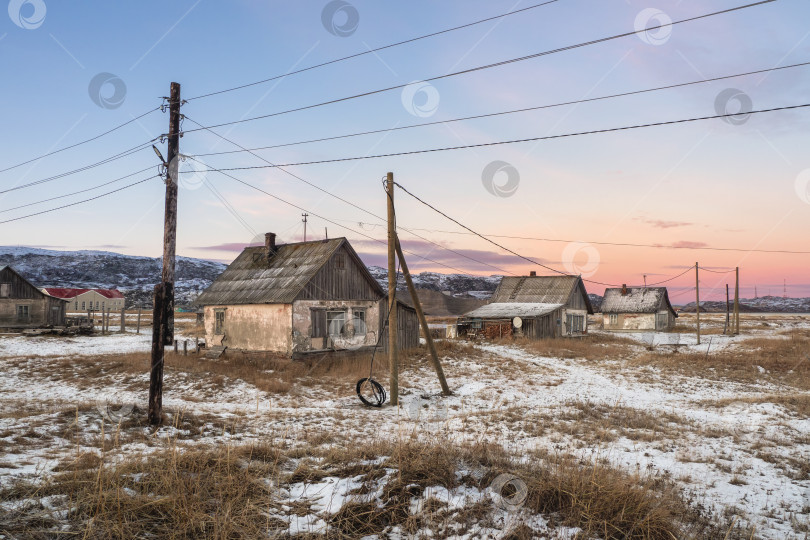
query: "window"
219, 326
5, 290
23, 313
76, 307
83, 305
318, 318
614, 318
96, 304
575, 324
102, 306
357, 326
340, 261
663, 320
335, 322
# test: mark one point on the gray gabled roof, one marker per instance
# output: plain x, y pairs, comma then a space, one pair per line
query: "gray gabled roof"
508, 310
252, 279
539, 290
637, 300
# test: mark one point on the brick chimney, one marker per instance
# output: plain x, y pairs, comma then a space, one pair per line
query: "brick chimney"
270, 244
532, 273
624, 289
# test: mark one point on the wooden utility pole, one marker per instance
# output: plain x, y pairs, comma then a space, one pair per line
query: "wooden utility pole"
697, 302
163, 312
170, 215
737, 302
393, 343
434, 358
305, 216
123, 328
138, 331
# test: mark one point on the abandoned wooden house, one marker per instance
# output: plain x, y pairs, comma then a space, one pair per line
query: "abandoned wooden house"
629, 309
23, 305
297, 298
533, 306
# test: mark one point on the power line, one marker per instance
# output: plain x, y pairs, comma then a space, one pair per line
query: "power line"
623, 244
91, 139
346, 201
75, 192
516, 254
484, 67
515, 141
311, 213
125, 153
672, 278
716, 271
371, 51
80, 202
513, 111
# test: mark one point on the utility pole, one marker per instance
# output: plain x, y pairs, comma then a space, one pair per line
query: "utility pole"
163, 312
393, 349
305, 216
434, 358
697, 302
737, 302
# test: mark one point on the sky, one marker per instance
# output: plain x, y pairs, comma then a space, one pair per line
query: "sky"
74, 71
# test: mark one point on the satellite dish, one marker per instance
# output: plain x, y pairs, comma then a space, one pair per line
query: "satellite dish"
517, 322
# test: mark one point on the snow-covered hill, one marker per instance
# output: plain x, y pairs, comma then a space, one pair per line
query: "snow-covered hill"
132, 275
480, 287
764, 304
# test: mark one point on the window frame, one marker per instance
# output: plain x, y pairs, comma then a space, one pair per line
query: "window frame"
26, 308
5, 289
329, 322
219, 322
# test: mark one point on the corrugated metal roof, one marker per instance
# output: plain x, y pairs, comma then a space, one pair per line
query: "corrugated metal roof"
535, 289
251, 279
507, 310
61, 292
637, 300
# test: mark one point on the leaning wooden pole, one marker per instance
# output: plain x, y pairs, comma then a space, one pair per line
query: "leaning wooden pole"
737, 302
434, 358
393, 343
697, 302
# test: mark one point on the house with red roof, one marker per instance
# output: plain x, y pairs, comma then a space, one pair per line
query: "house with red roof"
84, 300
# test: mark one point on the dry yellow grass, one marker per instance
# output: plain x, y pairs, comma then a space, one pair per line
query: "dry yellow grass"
233, 492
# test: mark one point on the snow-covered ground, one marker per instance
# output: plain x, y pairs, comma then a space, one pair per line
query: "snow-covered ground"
735, 453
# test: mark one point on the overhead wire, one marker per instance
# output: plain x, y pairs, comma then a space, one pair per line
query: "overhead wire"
120, 155
91, 139
622, 244
484, 67
328, 220
372, 51
82, 201
517, 141
3, 211
501, 113
344, 200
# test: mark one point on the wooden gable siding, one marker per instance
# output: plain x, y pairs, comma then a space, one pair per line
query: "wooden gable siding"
19, 288
577, 301
341, 278
407, 326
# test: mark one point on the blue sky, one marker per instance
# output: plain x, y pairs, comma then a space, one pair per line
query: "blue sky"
703, 184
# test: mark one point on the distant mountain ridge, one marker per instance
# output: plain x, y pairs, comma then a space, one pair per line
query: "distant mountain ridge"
135, 276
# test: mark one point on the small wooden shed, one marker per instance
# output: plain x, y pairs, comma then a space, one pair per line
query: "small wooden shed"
23, 305
533, 306
634, 309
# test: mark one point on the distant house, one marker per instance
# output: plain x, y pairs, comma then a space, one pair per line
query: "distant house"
533, 306
299, 297
84, 300
628, 309
23, 305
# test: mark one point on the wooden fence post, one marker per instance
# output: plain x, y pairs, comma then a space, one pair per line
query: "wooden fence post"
123, 328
